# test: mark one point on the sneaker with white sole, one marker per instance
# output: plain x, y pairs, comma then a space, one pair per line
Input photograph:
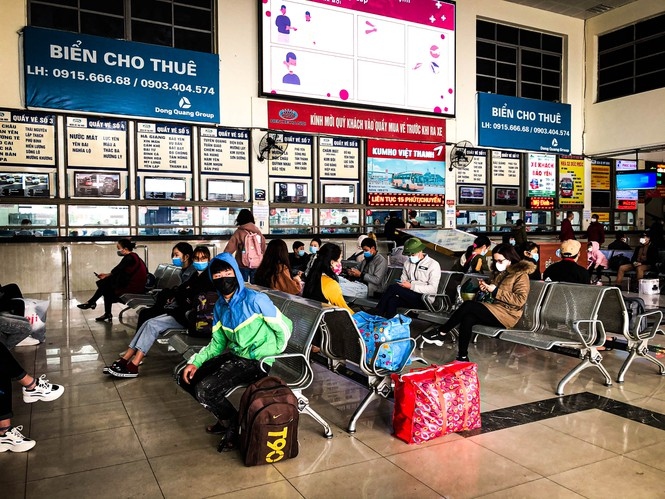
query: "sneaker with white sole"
28, 341
126, 370
43, 391
14, 441
435, 337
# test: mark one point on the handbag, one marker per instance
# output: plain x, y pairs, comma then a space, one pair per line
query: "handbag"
435, 401
376, 331
35, 312
484, 297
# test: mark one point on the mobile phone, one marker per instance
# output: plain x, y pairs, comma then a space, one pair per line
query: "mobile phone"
96, 274
398, 280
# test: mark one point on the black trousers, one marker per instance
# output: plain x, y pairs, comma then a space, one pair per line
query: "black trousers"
464, 318
10, 370
216, 377
106, 288
395, 297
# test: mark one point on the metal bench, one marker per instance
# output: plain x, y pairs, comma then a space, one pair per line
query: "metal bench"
369, 302
442, 301
169, 278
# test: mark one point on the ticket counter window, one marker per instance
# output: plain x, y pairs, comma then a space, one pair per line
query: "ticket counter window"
471, 221
539, 221
503, 221
624, 221
339, 221
43, 219
165, 220
576, 222
375, 220
219, 221
429, 218
97, 221
291, 220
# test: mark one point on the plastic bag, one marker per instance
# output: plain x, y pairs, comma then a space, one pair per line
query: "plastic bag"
35, 312
376, 330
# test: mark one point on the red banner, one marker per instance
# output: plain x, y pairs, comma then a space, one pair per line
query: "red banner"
404, 200
331, 120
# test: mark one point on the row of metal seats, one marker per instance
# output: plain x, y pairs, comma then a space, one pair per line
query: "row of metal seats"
167, 276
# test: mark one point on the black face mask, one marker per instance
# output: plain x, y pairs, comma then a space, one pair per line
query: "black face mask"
225, 285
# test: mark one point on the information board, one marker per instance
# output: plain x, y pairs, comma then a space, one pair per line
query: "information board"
338, 158
27, 138
296, 160
600, 174
505, 168
164, 147
474, 172
571, 181
542, 175
96, 143
224, 150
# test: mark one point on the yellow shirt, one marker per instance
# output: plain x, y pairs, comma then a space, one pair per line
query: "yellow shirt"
332, 292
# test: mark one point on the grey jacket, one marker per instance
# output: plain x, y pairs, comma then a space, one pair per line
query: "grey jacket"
373, 273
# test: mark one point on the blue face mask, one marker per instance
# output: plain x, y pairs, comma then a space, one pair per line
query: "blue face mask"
177, 261
414, 259
367, 254
535, 256
313, 249
200, 266
512, 242
301, 252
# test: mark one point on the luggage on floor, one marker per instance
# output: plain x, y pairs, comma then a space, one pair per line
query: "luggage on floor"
376, 331
435, 401
268, 422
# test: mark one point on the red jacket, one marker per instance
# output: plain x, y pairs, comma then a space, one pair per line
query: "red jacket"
566, 230
596, 232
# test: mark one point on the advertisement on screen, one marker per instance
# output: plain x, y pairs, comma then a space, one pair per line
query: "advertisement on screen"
398, 55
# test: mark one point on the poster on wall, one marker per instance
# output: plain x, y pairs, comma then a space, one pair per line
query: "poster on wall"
623, 165
505, 168
542, 175
338, 158
297, 158
224, 150
474, 172
27, 138
405, 174
600, 174
571, 180
627, 200
96, 143
164, 147
346, 52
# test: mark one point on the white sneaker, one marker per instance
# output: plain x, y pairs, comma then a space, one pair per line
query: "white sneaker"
14, 441
28, 341
43, 391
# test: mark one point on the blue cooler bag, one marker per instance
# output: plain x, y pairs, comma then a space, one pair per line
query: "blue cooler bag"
376, 331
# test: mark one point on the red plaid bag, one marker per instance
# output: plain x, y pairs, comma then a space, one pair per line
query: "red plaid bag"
435, 401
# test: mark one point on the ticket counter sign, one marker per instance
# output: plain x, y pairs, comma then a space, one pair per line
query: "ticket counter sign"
474, 173
164, 147
600, 174
542, 175
27, 138
96, 143
571, 181
338, 158
224, 150
297, 158
505, 168
77, 72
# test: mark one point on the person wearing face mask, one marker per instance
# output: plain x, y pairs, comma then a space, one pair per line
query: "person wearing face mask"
129, 276
509, 292
298, 259
322, 282
314, 246
567, 231
236, 245
274, 271
372, 270
188, 299
597, 262
359, 254
567, 270
246, 328
421, 275
532, 254
595, 231
518, 235
620, 242
474, 259
644, 257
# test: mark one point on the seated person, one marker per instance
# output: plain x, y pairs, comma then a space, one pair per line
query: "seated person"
314, 246
597, 262
620, 242
11, 299
644, 257
246, 327
26, 228
322, 282
473, 261
274, 271
359, 254
508, 292
567, 270
531, 253
372, 271
186, 300
421, 275
298, 259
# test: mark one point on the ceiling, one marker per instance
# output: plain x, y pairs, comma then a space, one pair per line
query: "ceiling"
581, 9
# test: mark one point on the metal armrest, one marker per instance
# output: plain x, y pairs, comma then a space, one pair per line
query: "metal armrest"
308, 374
599, 330
652, 320
383, 371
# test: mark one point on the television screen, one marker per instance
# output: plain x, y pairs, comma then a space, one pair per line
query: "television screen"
96, 185
506, 196
471, 195
290, 192
165, 188
24, 185
226, 190
601, 199
636, 180
339, 193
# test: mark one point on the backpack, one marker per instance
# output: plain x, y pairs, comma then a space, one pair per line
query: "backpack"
252, 251
268, 422
201, 317
617, 261
635, 307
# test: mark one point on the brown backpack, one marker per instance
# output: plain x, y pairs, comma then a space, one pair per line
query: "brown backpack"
268, 422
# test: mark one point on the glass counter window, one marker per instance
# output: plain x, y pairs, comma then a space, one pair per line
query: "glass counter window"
218, 220
160, 220
471, 221
503, 221
339, 221
291, 220
624, 220
43, 220
375, 220
98, 220
538, 221
429, 218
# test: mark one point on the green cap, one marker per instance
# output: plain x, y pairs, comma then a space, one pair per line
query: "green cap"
413, 246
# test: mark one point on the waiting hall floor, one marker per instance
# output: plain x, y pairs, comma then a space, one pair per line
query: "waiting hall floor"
143, 437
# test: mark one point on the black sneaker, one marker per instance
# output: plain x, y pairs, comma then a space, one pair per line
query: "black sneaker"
462, 358
117, 363
434, 338
126, 370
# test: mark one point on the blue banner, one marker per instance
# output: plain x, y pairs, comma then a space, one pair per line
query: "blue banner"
78, 72
516, 123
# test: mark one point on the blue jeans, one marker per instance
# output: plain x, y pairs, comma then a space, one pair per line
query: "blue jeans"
147, 334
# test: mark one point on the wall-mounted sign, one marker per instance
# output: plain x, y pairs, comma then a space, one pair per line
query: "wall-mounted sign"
27, 138
505, 168
474, 172
623, 165
518, 123
600, 174
79, 72
96, 143
539, 203
296, 160
224, 150
542, 175
338, 158
164, 147
571, 181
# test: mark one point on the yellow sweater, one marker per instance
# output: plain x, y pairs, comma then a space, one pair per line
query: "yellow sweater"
332, 292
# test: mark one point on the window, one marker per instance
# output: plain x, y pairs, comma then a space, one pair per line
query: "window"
632, 59
184, 24
518, 62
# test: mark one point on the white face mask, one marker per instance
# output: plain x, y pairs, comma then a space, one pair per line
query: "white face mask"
643, 240
501, 266
414, 259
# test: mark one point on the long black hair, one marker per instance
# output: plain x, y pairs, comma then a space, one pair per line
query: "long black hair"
274, 260
328, 253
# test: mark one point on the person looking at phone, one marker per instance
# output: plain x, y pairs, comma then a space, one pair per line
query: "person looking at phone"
504, 305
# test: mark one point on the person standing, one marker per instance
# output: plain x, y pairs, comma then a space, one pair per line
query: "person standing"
567, 231
595, 231
246, 225
392, 225
519, 234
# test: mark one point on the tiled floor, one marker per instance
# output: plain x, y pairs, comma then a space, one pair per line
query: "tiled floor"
145, 438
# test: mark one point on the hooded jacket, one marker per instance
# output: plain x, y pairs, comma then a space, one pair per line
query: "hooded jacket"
595, 256
249, 324
237, 241
512, 290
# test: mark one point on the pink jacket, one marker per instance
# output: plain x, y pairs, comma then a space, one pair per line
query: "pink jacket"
594, 256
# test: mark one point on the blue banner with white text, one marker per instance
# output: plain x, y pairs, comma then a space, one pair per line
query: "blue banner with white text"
78, 72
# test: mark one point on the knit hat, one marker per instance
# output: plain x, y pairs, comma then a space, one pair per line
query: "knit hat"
570, 248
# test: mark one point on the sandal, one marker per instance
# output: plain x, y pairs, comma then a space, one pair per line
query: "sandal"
216, 429
229, 441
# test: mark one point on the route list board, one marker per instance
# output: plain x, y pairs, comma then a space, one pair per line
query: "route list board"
164, 147
27, 138
297, 158
96, 143
474, 173
505, 168
224, 150
338, 158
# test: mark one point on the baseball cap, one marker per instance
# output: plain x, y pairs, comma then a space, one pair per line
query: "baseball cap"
570, 248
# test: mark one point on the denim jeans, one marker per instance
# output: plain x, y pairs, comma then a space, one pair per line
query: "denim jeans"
150, 330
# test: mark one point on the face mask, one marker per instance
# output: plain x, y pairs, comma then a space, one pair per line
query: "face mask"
120, 253
225, 285
642, 240
594, 220
301, 252
623, 239
501, 266
414, 259
177, 261
535, 256
337, 268
558, 252
367, 254
200, 266
483, 253
313, 249
512, 242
